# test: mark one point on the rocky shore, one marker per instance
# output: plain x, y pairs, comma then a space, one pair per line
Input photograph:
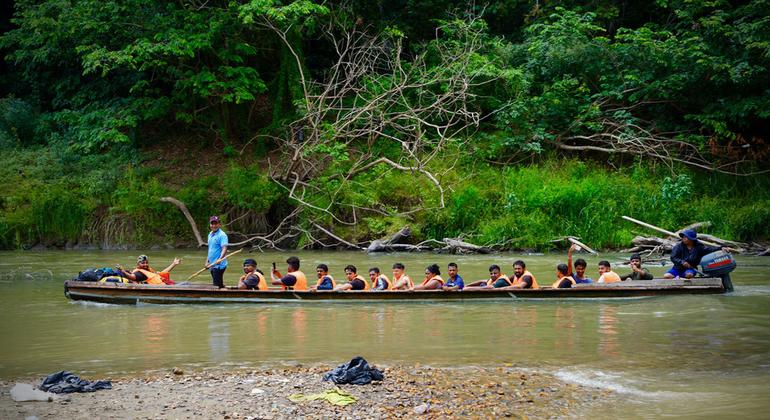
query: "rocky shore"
406, 392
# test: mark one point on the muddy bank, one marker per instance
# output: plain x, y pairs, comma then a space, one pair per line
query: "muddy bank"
407, 391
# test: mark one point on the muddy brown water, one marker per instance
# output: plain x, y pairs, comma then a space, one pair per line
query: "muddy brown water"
690, 356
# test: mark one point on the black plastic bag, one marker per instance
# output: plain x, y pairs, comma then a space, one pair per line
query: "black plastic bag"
356, 372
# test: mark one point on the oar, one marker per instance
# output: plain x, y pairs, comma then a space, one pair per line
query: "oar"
214, 263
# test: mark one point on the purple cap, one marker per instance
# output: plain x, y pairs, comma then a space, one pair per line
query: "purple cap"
213, 219
689, 234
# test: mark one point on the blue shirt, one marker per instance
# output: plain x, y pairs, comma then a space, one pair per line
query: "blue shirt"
326, 284
217, 241
578, 280
457, 281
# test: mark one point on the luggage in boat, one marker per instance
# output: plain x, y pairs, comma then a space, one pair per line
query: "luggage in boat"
113, 279
717, 264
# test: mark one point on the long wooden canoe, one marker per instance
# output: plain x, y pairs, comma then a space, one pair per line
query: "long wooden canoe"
141, 293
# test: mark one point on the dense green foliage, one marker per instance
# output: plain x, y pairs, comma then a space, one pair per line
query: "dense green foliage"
108, 102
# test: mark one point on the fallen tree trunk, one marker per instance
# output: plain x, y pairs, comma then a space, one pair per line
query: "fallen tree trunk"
181, 206
456, 245
385, 245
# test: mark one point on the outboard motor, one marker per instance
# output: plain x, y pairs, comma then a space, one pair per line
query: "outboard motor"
719, 264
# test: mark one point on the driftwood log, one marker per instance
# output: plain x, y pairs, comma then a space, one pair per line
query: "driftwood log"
387, 244
456, 246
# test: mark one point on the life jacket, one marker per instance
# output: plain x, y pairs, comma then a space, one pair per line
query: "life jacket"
519, 280
610, 277
387, 282
321, 280
409, 282
262, 285
301, 283
555, 284
152, 276
440, 280
491, 282
366, 283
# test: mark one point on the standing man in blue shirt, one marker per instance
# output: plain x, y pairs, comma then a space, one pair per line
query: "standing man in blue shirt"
217, 250
454, 281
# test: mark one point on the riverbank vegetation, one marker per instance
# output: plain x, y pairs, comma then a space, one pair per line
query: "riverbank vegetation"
311, 125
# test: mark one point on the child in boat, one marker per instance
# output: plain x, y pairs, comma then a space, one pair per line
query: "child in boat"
401, 281
606, 275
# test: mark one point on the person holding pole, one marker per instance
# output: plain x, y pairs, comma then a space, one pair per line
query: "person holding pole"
217, 251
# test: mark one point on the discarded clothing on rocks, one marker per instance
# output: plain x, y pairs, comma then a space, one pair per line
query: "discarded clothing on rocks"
356, 372
66, 382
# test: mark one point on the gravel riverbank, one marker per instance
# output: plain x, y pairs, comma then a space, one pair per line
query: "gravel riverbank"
407, 391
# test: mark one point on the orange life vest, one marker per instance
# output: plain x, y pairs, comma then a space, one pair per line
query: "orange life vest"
152, 276
262, 283
366, 283
609, 277
555, 284
409, 282
387, 281
519, 280
491, 282
301, 283
318, 283
440, 280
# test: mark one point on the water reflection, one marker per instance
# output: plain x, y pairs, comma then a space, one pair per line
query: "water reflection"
608, 331
219, 339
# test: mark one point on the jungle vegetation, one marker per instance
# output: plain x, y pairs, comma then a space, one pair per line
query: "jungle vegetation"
308, 124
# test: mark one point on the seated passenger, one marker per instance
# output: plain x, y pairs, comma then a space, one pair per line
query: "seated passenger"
355, 282
563, 280
252, 278
143, 273
379, 281
294, 280
606, 275
432, 280
325, 281
522, 278
454, 282
496, 280
686, 255
580, 267
637, 272
401, 281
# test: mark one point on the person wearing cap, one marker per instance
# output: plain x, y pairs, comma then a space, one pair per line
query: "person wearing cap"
687, 254
637, 272
143, 273
217, 251
252, 277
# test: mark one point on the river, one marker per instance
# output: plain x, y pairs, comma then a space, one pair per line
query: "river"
690, 356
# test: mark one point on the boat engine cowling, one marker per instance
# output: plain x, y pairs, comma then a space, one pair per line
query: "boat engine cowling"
717, 264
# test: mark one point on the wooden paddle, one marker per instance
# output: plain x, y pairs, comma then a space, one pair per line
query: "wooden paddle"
214, 263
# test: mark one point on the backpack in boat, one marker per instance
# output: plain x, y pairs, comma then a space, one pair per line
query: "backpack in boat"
90, 274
